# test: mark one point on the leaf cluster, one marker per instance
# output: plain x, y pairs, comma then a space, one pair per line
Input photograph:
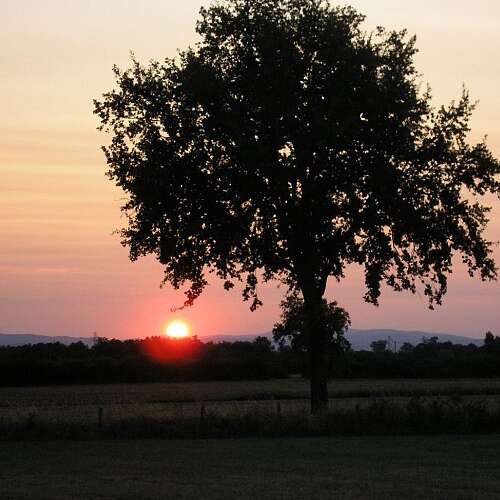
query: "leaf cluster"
292, 329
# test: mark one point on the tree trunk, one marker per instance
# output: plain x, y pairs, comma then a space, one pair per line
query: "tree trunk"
318, 354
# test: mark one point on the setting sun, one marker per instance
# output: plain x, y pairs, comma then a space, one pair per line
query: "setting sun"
177, 330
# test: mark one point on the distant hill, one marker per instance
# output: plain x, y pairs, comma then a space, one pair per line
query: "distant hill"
359, 339
16, 339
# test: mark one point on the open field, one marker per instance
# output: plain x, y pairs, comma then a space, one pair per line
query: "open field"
255, 390
236, 409
452, 467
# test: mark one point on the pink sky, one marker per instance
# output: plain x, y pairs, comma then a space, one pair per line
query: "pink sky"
64, 273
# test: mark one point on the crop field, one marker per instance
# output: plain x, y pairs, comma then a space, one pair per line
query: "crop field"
282, 389
164, 406
423, 467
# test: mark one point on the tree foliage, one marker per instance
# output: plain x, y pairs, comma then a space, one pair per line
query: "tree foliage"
492, 342
292, 329
289, 143
160, 359
379, 346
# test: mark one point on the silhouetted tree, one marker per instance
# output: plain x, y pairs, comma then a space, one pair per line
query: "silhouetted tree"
491, 342
292, 329
288, 144
379, 346
406, 348
264, 344
430, 340
160, 359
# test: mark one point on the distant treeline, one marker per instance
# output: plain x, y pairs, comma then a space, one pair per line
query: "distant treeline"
155, 359
159, 359
429, 359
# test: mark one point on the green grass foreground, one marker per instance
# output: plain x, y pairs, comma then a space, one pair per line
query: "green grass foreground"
347, 467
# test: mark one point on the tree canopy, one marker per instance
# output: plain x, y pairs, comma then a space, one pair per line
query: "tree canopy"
289, 143
292, 329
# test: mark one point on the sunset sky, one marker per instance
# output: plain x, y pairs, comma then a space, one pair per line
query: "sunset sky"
63, 272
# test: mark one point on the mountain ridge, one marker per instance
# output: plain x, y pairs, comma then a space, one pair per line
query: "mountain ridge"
360, 339
19, 339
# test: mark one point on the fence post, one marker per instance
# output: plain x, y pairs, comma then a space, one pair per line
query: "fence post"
202, 424
30, 424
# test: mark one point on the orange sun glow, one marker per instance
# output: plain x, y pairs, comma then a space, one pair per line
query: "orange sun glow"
177, 330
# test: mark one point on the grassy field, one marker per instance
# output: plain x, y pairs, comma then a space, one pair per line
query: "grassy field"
142, 405
292, 388
452, 467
